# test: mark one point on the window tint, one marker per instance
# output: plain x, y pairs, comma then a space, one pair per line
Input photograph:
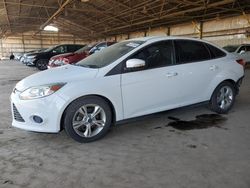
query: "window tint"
156, 55
247, 48
103, 44
60, 49
190, 51
215, 52
242, 48
110, 54
72, 48
231, 48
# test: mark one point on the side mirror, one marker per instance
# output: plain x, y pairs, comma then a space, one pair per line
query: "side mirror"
54, 51
242, 51
135, 63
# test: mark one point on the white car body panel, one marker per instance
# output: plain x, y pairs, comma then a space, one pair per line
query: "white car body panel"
132, 94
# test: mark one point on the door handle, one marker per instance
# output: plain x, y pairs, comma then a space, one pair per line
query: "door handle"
213, 67
171, 74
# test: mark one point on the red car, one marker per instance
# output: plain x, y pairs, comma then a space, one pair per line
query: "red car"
72, 58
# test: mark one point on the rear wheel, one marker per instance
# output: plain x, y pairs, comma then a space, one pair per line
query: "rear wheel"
42, 64
87, 119
223, 98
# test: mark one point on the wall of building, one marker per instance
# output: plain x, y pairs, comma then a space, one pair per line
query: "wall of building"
234, 30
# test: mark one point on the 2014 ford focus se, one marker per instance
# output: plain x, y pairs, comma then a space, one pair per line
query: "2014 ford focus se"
129, 79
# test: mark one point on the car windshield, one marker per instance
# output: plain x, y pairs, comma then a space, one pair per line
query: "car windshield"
49, 49
109, 55
83, 49
231, 48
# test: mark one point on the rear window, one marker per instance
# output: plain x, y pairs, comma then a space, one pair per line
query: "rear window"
191, 51
215, 52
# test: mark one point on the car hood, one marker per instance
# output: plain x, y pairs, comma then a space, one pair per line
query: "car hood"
62, 55
32, 54
67, 73
36, 54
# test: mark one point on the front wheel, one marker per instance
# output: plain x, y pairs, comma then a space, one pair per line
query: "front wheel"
223, 98
87, 119
42, 64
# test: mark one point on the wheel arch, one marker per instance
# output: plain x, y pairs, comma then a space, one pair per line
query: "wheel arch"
91, 95
226, 80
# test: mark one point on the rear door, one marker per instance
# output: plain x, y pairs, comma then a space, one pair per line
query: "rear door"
196, 68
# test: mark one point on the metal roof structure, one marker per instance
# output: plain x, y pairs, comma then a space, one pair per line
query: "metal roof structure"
91, 19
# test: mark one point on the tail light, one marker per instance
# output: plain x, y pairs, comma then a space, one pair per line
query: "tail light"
241, 62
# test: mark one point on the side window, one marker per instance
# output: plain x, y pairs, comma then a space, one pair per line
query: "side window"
215, 52
157, 55
191, 51
247, 48
242, 48
71, 48
60, 49
101, 45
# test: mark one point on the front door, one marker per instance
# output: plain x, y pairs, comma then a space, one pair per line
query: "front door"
156, 86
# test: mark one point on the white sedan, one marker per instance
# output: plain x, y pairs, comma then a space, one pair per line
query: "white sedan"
129, 79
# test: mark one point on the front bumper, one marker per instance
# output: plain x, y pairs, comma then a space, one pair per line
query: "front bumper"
30, 62
49, 108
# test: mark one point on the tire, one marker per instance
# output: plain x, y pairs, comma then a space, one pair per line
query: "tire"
87, 119
223, 98
41, 64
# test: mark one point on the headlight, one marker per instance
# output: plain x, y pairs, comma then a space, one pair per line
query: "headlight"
40, 91
58, 62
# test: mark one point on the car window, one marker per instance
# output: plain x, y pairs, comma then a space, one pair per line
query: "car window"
247, 48
215, 52
190, 51
103, 44
60, 49
242, 48
73, 48
110, 43
84, 49
156, 55
231, 48
109, 55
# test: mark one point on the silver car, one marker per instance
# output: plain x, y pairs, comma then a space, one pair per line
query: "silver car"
242, 51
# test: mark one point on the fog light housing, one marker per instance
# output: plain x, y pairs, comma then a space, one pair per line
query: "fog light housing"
37, 119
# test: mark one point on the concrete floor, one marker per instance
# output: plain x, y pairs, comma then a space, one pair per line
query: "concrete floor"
144, 153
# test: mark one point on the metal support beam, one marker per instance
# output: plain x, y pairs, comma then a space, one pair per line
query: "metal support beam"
174, 14
201, 30
7, 16
168, 31
54, 15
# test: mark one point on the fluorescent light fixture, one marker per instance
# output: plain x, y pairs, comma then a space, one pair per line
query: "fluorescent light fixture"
50, 28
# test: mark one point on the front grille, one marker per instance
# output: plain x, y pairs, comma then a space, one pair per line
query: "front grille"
17, 115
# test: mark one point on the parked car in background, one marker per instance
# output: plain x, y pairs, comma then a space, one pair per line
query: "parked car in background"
41, 59
242, 51
129, 79
18, 55
23, 56
72, 58
25, 59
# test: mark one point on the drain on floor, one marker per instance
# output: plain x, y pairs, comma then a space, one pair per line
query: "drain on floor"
192, 146
201, 122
